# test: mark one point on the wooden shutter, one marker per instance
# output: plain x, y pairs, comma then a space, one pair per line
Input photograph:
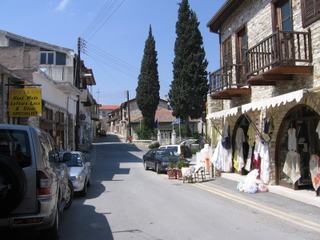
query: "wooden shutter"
310, 11
227, 52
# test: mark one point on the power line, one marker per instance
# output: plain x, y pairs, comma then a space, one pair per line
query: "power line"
96, 23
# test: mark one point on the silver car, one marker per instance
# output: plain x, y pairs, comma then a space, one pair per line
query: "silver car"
34, 184
79, 170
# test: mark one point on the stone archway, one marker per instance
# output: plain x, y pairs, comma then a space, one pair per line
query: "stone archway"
303, 121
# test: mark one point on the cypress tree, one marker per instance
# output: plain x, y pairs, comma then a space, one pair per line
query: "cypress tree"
147, 92
189, 88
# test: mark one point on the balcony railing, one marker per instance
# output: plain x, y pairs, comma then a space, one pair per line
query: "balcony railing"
282, 48
227, 77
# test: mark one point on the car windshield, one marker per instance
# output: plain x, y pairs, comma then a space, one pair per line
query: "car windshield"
167, 152
76, 161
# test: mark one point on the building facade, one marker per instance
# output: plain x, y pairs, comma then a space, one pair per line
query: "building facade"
52, 69
264, 98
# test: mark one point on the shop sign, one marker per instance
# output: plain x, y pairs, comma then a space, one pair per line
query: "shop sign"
25, 102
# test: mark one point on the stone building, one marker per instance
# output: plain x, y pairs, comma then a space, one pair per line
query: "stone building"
268, 82
52, 69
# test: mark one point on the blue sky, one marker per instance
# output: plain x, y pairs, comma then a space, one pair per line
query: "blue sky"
115, 32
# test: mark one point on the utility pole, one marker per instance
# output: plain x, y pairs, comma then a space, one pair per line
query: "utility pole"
128, 109
78, 76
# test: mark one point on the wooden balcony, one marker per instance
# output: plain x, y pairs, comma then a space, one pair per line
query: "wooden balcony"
278, 57
228, 81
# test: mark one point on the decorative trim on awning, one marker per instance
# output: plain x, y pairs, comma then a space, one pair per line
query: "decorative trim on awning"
274, 101
227, 112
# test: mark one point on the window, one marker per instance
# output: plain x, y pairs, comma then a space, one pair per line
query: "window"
285, 12
46, 58
60, 59
227, 52
14, 43
310, 10
50, 57
282, 15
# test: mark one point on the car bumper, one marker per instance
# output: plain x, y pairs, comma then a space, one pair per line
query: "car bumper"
78, 185
41, 220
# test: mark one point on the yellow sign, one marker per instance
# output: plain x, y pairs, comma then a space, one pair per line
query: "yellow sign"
25, 102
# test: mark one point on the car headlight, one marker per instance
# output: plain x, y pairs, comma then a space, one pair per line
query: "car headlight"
76, 178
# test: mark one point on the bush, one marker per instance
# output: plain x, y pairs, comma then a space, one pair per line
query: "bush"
171, 163
180, 163
194, 151
143, 132
154, 145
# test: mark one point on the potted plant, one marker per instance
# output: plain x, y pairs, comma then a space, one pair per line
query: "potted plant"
171, 171
180, 164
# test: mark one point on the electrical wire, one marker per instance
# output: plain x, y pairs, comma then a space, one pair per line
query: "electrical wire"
99, 18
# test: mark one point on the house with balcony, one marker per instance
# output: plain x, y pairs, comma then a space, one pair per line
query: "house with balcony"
264, 99
52, 69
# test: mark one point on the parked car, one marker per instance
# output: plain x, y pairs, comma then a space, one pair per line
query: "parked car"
183, 150
34, 184
158, 159
102, 133
79, 170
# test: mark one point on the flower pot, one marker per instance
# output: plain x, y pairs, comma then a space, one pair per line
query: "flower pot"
172, 173
179, 174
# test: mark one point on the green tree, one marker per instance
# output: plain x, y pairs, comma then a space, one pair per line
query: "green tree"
189, 87
148, 83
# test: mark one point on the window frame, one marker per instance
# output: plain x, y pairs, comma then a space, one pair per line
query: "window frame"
307, 20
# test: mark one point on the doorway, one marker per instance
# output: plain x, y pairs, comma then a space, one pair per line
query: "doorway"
297, 132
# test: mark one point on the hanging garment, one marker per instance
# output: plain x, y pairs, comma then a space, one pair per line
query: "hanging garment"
248, 163
268, 128
251, 136
292, 139
292, 166
222, 158
240, 139
225, 136
315, 171
318, 129
216, 136
265, 163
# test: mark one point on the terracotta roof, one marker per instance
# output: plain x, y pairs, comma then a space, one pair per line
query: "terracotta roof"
109, 107
163, 115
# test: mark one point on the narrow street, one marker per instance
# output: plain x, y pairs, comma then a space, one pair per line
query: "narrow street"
126, 202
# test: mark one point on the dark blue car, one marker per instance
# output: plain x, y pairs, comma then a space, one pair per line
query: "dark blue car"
158, 159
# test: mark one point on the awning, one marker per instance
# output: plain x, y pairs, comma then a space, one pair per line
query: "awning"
227, 112
272, 102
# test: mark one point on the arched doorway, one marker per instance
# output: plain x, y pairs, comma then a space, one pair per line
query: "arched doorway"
301, 120
242, 123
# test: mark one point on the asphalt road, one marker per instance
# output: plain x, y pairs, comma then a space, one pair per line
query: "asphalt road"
127, 202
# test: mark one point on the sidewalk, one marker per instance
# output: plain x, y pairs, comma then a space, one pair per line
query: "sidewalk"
305, 196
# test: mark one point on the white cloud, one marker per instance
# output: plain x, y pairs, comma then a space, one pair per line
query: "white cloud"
62, 5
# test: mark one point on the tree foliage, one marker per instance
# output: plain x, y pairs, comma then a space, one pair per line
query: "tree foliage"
147, 92
189, 87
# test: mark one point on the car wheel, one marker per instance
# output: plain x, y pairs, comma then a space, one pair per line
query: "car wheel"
53, 232
158, 169
69, 195
145, 165
89, 183
84, 191
12, 184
